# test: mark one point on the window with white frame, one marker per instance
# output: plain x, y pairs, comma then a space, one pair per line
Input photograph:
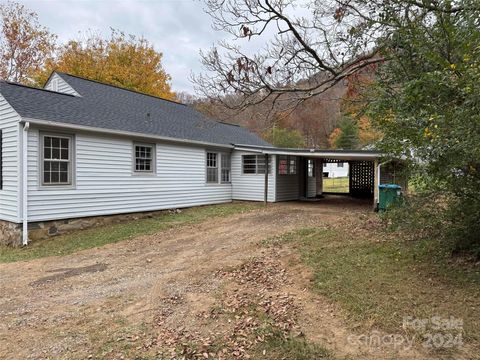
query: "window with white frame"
311, 168
287, 165
56, 161
144, 158
254, 164
340, 164
212, 167
226, 168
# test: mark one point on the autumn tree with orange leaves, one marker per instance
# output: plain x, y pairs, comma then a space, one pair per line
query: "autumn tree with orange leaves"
353, 104
122, 60
24, 43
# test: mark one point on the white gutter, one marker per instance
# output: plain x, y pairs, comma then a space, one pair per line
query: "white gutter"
314, 153
25, 183
121, 132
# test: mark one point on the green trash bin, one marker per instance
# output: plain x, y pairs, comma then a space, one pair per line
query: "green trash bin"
389, 194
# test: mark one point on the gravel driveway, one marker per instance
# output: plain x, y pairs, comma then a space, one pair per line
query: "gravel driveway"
81, 305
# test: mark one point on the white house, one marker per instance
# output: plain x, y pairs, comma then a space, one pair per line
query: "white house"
335, 170
83, 149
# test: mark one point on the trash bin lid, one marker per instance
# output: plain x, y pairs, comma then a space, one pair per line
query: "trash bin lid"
389, 186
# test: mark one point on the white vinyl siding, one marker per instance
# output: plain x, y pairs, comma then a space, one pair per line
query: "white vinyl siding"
10, 192
56, 83
251, 186
105, 184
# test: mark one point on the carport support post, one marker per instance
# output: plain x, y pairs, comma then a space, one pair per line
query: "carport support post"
376, 182
265, 197
319, 176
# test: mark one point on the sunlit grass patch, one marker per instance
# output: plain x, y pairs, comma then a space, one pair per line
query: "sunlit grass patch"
102, 235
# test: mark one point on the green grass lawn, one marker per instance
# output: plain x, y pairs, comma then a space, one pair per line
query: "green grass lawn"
277, 346
98, 236
379, 281
336, 185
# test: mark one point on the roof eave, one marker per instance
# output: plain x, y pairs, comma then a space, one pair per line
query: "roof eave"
49, 123
314, 153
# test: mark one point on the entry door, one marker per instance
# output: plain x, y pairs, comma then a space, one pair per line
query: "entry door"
311, 178
303, 177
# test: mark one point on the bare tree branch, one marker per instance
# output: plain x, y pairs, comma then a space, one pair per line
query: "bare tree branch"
286, 51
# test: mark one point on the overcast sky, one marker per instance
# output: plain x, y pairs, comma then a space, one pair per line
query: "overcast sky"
178, 28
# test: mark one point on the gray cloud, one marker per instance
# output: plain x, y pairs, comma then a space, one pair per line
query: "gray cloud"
178, 28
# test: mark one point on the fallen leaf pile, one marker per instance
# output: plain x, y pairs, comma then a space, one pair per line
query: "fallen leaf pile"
244, 316
265, 272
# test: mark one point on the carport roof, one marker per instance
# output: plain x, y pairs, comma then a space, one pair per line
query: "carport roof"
314, 153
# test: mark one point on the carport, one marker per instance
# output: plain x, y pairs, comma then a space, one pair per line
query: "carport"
298, 173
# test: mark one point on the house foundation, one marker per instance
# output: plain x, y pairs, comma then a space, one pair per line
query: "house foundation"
11, 233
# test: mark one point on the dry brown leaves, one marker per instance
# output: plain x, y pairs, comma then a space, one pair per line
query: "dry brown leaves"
245, 314
265, 272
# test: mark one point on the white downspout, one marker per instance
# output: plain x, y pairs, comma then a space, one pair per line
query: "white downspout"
379, 175
25, 183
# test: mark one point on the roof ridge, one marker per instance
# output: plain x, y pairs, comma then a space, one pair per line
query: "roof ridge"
140, 93
118, 87
35, 88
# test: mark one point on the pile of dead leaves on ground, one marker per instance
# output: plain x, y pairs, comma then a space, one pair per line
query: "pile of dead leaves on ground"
249, 310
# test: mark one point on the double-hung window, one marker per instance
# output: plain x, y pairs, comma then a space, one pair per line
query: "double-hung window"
212, 167
56, 163
218, 163
254, 164
144, 158
226, 168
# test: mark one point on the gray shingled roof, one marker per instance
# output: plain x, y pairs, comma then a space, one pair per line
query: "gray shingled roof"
109, 107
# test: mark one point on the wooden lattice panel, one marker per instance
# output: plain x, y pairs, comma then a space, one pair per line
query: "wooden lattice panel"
333, 161
362, 178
